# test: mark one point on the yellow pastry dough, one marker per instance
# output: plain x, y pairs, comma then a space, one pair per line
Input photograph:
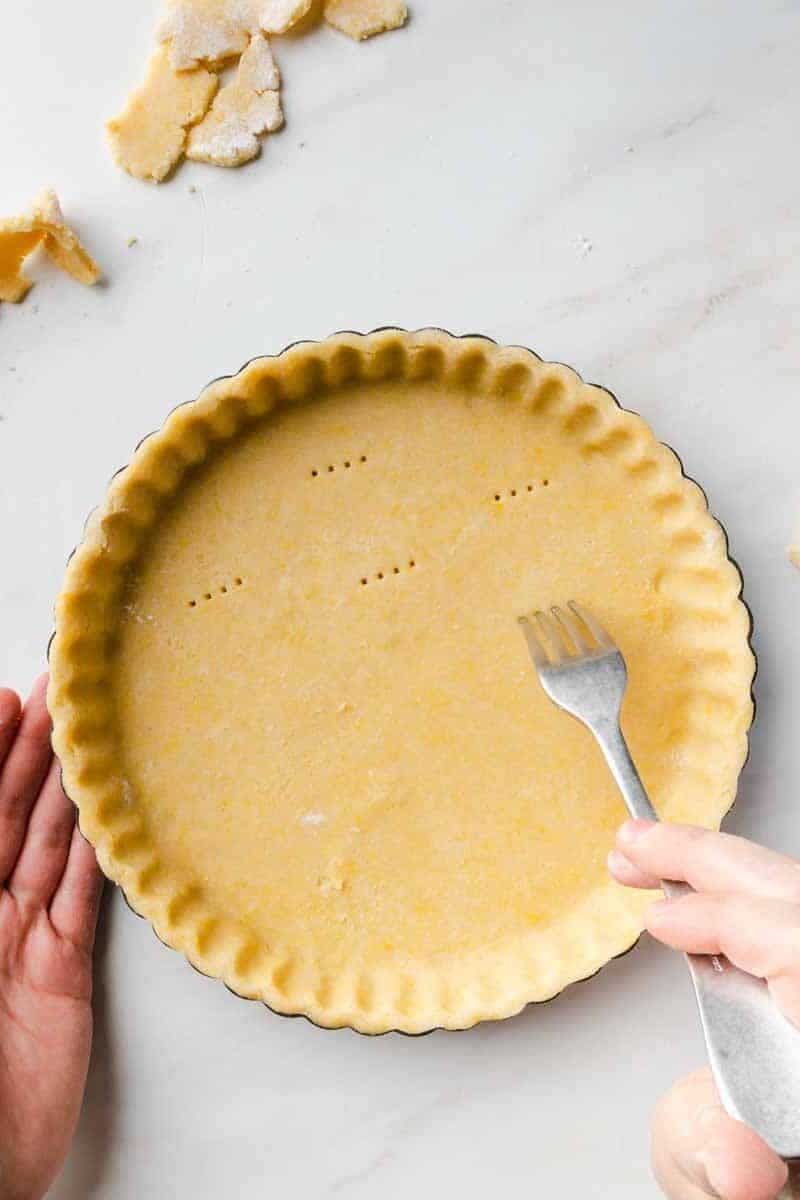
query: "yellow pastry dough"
293, 705
251, 105
149, 135
61, 243
214, 30
42, 224
361, 19
17, 241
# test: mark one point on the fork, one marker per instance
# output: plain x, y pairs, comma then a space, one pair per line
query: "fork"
753, 1049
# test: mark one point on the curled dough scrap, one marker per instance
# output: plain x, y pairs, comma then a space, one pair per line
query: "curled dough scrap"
44, 225
60, 242
17, 240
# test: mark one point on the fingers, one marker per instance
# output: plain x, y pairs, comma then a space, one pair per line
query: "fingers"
43, 856
746, 906
10, 712
22, 774
76, 903
699, 1151
709, 861
626, 873
760, 936
44, 860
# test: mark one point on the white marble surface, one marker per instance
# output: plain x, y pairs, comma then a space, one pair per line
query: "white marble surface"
614, 184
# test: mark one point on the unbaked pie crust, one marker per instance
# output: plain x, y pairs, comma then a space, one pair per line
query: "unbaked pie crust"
293, 706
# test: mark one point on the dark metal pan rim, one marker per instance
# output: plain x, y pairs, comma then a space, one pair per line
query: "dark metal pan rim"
731, 559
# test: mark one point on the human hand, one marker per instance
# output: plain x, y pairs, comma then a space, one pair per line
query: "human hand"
50, 889
746, 906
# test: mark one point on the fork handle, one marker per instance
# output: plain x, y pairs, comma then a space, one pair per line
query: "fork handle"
753, 1049
628, 780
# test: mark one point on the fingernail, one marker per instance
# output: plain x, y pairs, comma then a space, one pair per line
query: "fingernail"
617, 862
657, 908
633, 831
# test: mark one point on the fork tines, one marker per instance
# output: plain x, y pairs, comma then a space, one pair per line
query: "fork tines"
563, 634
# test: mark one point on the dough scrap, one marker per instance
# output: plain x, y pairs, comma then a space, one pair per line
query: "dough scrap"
17, 240
171, 112
257, 70
60, 242
361, 19
250, 105
42, 224
211, 31
149, 135
278, 16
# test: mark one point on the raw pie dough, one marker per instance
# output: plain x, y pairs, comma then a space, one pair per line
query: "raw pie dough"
149, 135
43, 224
242, 109
293, 705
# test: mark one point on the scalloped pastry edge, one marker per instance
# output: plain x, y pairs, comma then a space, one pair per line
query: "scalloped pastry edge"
414, 1000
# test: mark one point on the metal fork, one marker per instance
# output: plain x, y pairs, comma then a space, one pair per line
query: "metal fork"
753, 1049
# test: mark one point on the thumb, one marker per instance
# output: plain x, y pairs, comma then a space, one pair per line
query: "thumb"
699, 1151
